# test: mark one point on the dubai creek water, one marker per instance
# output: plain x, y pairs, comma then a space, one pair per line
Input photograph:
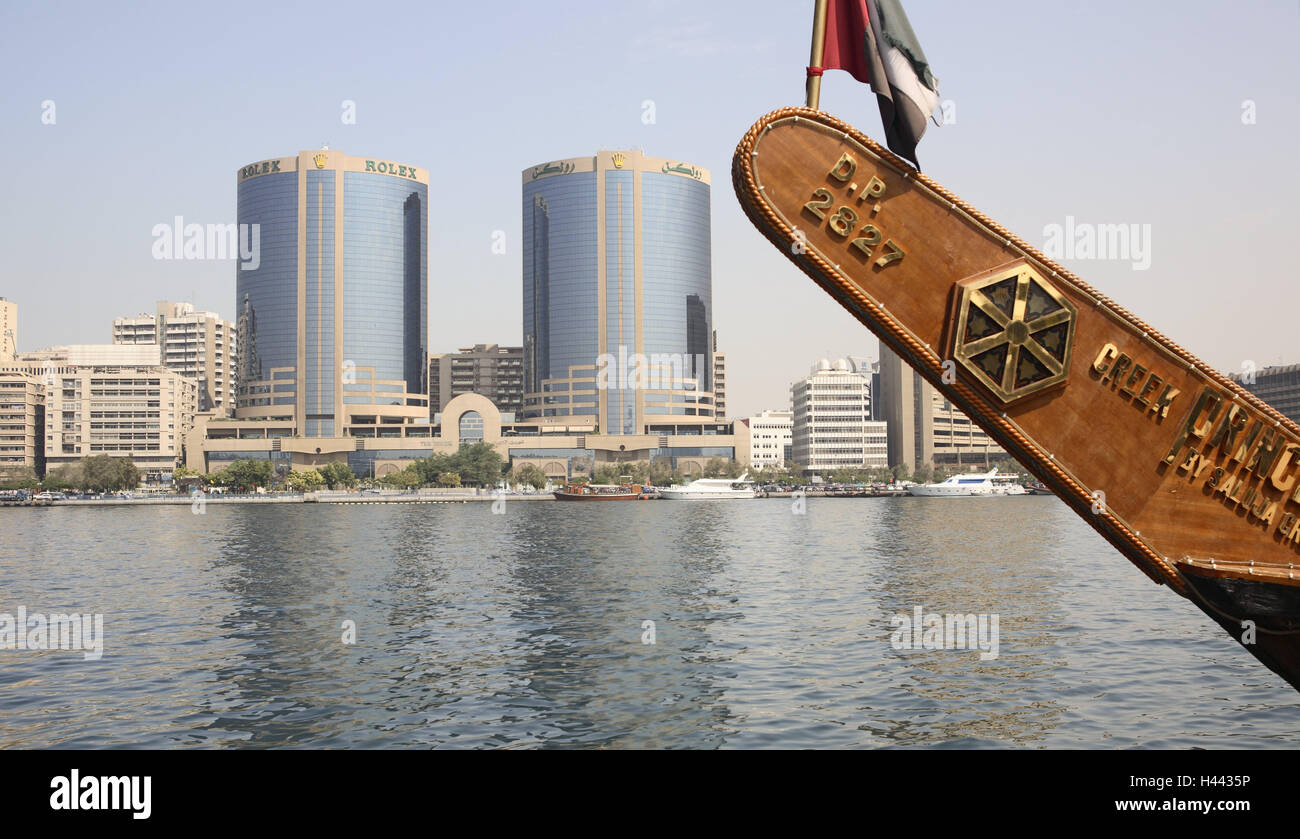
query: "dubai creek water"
526, 629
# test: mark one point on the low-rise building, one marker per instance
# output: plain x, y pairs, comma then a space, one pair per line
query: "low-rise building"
770, 438
562, 453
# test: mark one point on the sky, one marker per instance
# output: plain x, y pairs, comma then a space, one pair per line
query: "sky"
1181, 118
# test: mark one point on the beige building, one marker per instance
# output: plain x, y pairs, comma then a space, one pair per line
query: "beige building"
957, 440
215, 442
8, 330
719, 382
141, 413
22, 421
196, 344
89, 355
924, 427
489, 370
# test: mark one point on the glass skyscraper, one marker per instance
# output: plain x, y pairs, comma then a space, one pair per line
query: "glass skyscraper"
618, 304
332, 312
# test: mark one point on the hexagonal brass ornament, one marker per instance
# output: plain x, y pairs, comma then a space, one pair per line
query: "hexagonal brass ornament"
1014, 331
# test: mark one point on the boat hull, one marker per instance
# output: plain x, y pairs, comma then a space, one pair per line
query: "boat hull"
949, 492
1174, 464
671, 495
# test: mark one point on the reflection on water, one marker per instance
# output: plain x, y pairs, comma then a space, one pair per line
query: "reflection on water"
975, 555
526, 629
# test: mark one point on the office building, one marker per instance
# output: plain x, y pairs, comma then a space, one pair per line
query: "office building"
957, 441
832, 426
770, 438
331, 315
617, 296
1278, 386
196, 344
487, 369
617, 362
141, 413
924, 427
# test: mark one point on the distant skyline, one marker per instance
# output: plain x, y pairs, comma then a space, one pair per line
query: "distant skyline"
1177, 119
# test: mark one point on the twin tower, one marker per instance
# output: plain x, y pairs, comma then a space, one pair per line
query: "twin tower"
617, 295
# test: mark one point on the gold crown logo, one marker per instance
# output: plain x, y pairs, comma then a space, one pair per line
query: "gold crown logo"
321, 160
618, 161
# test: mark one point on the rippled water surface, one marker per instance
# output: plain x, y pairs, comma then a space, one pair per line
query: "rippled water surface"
525, 629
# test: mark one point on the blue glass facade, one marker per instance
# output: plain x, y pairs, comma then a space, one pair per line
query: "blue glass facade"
560, 276
385, 289
620, 296
565, 227
364, 289
319, 334
266, 298
677, 283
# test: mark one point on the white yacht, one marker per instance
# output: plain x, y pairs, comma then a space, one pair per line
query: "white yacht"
958, 486
711, 488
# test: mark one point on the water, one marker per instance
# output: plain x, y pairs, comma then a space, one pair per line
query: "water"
525, 629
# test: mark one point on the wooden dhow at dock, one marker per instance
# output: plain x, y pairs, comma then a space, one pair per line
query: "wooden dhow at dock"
1193, 479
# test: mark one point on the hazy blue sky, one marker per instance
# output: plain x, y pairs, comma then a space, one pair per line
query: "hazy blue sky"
1110, 113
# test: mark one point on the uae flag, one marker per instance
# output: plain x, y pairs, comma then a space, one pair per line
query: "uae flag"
873, 42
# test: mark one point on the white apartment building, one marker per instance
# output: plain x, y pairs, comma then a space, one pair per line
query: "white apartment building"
770, 438
832, 426
196, 344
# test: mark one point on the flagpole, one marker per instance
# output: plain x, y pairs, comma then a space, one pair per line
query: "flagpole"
815, 56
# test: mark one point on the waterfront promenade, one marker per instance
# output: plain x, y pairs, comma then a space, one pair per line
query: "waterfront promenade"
321, 497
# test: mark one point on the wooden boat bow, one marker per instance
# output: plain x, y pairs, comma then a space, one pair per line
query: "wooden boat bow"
1192, 478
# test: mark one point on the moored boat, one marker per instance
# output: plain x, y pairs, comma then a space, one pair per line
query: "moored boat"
601, 492
958, 486
705, 488
969, 485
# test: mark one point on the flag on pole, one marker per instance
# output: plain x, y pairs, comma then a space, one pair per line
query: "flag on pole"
873, 42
